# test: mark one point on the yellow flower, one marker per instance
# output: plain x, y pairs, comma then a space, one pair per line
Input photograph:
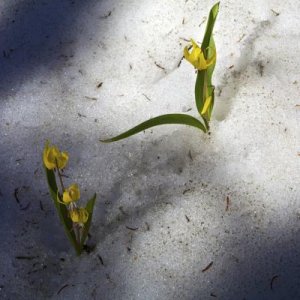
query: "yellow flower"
196, 57
206, 105
53, 158
72, 193
79, 215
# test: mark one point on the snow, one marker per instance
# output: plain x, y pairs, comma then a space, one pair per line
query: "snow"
160, 216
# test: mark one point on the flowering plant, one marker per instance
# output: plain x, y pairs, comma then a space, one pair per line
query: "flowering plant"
76, 220
203, 58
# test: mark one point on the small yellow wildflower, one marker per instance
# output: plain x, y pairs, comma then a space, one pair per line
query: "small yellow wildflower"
53, 158
79, 215
196, 57
206, 105
72, 193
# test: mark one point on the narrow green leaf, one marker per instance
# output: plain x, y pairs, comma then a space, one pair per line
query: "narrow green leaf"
210, 70
199, 91
160, 120
209, 27
90, 208
61, 210
51, 183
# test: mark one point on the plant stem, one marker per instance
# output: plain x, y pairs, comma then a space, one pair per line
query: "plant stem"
60, 178
206, 124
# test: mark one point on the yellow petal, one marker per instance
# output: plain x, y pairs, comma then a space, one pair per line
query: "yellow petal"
84, 215
196, 57
196, 53
189, 56
72, 193
186, 52
49, 154
79, 215
45, 154
62, 159
206, 105
194, 44
74, 215
201, 63
53, 158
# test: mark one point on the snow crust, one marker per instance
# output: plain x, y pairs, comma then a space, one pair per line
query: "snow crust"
170, 200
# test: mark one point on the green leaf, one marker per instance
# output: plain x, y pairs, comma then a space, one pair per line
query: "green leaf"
199, 91
209, 27
160, 120
210, 70
90, 208
62, 210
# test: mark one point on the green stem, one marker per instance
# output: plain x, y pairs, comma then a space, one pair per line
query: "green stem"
206, 124
60, 177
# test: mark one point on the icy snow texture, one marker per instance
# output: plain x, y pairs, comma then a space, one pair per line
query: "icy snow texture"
169, 183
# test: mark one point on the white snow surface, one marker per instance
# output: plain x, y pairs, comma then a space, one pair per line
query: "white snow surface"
161, 215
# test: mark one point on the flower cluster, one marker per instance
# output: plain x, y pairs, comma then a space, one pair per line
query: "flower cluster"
56, 160
70, 196
75, 219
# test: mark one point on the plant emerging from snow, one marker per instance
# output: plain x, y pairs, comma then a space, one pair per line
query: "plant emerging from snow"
203, 58
76, 220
